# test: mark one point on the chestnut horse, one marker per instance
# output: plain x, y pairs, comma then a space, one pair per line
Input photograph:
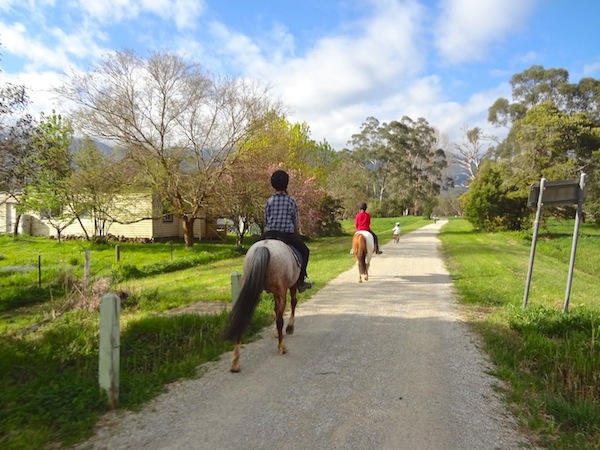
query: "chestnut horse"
363, 247
272, 266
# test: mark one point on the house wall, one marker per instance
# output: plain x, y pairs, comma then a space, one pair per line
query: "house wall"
8, 214
137, 205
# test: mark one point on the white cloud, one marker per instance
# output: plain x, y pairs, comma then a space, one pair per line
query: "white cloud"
590, 70
56, 54
466, 28
377, 57
181, 12
39, 87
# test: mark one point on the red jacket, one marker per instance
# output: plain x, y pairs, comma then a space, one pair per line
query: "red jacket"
363, 221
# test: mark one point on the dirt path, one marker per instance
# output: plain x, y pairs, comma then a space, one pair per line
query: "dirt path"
386, 364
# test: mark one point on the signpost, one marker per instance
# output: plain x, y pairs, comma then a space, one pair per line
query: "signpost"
555, 193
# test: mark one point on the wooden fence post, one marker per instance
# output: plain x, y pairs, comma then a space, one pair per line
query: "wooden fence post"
118, 253
110, 342
86, 272
236, 286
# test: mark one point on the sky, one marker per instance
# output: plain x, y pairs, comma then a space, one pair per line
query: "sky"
333, 63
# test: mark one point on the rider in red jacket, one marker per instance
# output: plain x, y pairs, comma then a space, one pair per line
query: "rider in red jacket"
363, 223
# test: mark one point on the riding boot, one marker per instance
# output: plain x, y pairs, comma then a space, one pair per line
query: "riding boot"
303, 284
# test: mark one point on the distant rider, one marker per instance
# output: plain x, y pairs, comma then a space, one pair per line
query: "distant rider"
362, 222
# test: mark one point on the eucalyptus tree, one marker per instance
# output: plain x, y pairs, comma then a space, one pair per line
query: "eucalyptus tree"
404, 161
371, 149
420, 163
554, 129
180, 125
537, 85
471, 152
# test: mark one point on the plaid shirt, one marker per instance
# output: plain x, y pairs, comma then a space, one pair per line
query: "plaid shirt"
281, 213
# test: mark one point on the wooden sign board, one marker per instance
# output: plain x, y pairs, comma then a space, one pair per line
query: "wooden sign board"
564, 192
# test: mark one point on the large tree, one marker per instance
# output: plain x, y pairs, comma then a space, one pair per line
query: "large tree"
554, 130
180, 125
471, 152
405, 163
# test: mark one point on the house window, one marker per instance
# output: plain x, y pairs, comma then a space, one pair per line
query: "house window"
167, 218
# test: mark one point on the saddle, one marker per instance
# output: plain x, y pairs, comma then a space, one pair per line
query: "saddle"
295, 252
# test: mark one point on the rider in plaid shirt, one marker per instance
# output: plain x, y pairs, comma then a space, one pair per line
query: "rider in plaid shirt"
281, 219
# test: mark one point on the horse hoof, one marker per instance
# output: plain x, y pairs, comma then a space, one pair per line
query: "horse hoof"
234, 369
289, 329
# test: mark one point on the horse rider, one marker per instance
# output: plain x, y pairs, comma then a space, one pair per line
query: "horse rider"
281, 222
362, 222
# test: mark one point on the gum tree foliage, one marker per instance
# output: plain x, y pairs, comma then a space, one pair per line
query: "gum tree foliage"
405, 163
554, 132
178, 124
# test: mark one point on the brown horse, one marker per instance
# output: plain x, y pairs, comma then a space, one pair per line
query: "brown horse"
270, 265
363, 247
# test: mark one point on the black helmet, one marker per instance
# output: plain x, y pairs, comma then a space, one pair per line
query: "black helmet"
363, 206
279, 180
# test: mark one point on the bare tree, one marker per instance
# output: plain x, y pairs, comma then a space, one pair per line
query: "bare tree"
180, 125
472, 151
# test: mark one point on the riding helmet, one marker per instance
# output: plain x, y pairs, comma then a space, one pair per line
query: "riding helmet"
279, 180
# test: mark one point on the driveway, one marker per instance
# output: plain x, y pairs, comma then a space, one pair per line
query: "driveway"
386, 364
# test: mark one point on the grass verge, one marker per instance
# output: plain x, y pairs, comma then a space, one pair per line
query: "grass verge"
550, 360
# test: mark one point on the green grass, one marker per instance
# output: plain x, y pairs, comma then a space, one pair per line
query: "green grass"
550, 360
49, 378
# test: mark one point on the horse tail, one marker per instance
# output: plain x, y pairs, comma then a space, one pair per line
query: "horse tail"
362, 254
359, 247
254, 283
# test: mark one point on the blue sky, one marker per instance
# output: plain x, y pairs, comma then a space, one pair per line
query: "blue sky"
333, 63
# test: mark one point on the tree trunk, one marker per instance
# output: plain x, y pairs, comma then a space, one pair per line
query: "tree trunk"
188, 231
16, 226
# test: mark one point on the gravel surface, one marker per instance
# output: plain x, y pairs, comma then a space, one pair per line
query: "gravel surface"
386, 364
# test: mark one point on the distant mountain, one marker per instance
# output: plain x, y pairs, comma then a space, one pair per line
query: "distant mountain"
77, 143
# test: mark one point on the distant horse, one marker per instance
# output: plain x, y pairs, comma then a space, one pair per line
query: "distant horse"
363, 247
272, 266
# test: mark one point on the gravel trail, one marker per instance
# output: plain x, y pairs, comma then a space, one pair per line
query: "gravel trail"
386, 364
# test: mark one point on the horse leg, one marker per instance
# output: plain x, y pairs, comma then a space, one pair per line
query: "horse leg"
279, 311
294, 301
235, 360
